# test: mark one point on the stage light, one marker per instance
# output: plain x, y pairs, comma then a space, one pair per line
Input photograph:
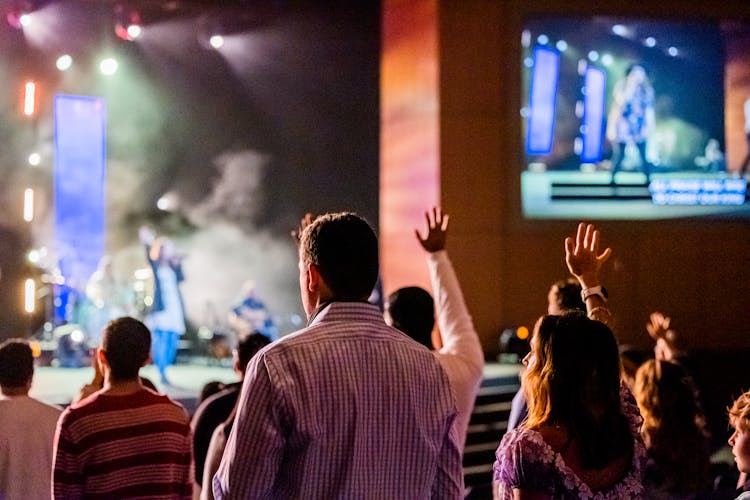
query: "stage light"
64, 62
29, 296
650, 42
522, 332
593, 56
607, 59
542, 39
28, 205
526, 38
619, 30
77, 336
108, 66
29, 99
35, 159
33, 256
216, 41
562, 45
528, 62
36, 348
673, 51
582, 66
163, 203
127, 22
134, 31
24, 20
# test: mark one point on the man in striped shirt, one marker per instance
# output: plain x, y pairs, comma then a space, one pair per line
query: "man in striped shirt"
347, 407
123, 441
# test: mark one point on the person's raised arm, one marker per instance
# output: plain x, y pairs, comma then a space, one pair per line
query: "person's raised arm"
585, 262
457, 333
667, 347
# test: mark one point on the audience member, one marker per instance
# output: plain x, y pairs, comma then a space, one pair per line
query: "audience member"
217, 408
123, 441
582, 434
674, 431
411, 310
209, 389
563, 296
347, 407
27, 427
739, 420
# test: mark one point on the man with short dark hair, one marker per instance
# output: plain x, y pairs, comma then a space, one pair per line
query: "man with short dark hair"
216, 409
124, 440
412, 311
347, 407
27, 427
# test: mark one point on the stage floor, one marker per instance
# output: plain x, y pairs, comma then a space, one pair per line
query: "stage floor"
60, 385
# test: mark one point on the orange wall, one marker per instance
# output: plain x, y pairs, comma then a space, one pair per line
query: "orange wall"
697, 271
409, 157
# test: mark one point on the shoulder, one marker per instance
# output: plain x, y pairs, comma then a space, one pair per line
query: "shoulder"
524, 460
217, 404
524, 444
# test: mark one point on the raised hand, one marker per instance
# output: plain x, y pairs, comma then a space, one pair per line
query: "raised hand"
582, 256
658, 325
437, 231
658, 328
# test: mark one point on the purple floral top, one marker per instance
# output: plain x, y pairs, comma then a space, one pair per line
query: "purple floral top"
525, 460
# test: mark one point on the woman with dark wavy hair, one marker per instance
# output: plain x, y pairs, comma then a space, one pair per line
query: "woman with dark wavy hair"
581, 438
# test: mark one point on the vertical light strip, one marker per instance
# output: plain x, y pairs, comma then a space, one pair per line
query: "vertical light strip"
29, 100
29, 296
80, 163
594, 85
409, 136
28, 205
542, 101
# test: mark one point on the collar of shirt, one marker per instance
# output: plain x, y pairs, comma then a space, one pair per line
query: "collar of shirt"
356, 306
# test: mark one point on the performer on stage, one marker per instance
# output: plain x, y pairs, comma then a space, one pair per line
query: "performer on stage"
249, 314
107, 300
166, 319
631, 119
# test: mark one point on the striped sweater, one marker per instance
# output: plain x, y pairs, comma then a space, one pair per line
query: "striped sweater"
123, 446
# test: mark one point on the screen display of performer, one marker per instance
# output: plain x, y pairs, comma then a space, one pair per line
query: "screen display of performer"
634, 118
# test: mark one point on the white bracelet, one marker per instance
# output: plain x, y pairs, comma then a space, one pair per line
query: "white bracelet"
594, 290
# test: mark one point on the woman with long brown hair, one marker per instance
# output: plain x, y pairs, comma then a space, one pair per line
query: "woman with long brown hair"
581, 438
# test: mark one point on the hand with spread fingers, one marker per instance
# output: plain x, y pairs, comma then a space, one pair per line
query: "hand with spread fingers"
582, 255
437, 231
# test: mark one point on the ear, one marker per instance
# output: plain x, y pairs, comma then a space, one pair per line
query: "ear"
100, 356
314, 279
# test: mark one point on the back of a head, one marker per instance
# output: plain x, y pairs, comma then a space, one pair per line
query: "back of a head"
668, 399
674, 427
575, 381
248, 346
126, 343
569, 295
16, 363
412, 311
739, 413
345, 250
